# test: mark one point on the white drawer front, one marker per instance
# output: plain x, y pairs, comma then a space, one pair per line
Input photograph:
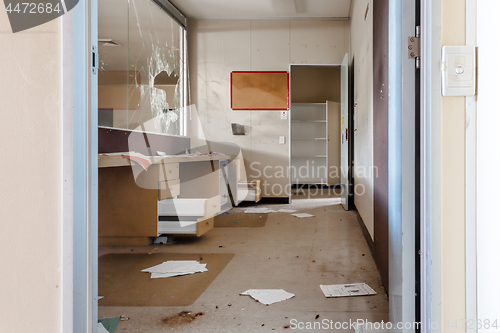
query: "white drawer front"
181, 207
176, 227
170, 171
195, 207
212, 206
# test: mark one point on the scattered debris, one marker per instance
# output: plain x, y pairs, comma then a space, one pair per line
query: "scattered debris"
221, 246
302, 215
286, 326
183, 317
268, 296
363, 255
343, 290
317, 316
216, 306
286, 210
109, 324
175, 268
262, 324
229, 304
255, 210
101, 328
296, 256
314, 261
100, 297
123, 318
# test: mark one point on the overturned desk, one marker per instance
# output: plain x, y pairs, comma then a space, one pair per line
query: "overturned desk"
142, 197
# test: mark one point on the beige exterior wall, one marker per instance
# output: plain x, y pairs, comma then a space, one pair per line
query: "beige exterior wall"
362, 57
453, 178
31, 195
217, 47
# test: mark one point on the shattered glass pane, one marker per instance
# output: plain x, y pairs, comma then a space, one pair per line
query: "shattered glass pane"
141, 77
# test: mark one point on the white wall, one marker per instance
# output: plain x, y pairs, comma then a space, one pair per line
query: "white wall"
362, 57
218, 47
453, 178
30, 178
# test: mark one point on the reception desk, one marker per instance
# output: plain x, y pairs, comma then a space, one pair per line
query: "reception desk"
142, 197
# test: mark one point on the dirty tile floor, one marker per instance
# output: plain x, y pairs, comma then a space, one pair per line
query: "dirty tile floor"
287, 253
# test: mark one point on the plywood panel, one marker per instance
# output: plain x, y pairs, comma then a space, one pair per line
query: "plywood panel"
118, 190
119, 97
259, 90
315, 84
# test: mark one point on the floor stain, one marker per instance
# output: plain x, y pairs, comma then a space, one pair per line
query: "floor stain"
181, 318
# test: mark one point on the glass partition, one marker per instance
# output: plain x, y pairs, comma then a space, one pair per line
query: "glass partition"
142, 67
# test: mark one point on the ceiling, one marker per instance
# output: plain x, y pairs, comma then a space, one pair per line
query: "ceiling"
263, 9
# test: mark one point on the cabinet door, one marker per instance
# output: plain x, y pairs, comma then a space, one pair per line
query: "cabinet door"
333, 143
344, 134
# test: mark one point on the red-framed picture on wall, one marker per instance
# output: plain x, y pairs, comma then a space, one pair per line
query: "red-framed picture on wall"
259, 90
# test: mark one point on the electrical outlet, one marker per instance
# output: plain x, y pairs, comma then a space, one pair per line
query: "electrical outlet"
282, 140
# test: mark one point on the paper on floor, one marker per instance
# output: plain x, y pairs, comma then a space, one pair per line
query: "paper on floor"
343, 290
175, 268
259, 211
101, 328
282, 210
166, 275
301, 215
268, 296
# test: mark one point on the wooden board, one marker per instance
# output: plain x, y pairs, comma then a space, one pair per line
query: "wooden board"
125, 209
259, 90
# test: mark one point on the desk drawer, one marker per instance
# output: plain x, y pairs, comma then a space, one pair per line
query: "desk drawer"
169, 171
169, 189
195, 207
197, 228
178, 228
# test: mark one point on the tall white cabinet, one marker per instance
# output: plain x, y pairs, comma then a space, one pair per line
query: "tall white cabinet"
315, 125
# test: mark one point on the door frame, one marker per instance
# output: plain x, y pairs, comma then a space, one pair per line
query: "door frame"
430, 162
79, 250
401, 163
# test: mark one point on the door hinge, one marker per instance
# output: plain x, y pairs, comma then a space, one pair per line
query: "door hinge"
95, 60
414, 47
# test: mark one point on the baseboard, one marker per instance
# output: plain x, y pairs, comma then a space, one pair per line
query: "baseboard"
366, 234
369, 241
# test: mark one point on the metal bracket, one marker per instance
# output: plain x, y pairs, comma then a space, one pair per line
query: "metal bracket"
94, 60
414, 47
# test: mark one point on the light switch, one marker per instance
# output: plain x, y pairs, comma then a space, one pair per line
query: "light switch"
282, 140
284, 114
458, 71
